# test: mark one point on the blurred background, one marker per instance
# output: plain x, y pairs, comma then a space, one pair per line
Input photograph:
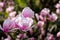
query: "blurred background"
35, 5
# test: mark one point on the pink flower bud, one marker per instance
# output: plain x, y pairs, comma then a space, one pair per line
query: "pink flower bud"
1, 4
31, 31
44, 12
57, 5
53, 17
58, 11
40, 23
12, 14
37, 16
42, 18
9, 9
50, 37
27, 12
58, 34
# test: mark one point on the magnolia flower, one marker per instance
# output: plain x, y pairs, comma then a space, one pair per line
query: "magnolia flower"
50, 37
27, 12
1, 4
42, 18
12, 14
40, 23
44, 12
9, 9
57, 5
58, 34
53, 17
24, 23
6, 25
58, 11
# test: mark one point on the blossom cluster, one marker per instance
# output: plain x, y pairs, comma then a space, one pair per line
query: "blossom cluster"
22, 25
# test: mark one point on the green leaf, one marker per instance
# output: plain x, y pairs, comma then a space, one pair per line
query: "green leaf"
21, 3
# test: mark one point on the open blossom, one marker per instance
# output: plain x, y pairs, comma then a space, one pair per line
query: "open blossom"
1, 4
27, 12
9, 9
58, 34
40, 23
53, 17
44, 12
24, 23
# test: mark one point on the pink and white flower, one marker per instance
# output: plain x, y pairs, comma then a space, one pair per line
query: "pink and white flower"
9, 9
1, 4
44, 12
53, 17
27, 12
24, 23
58, 34
58, 11
40, 23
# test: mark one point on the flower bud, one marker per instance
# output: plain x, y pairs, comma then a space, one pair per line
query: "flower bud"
58, 11
1, 4
12, 14
9, 9
53, 17
27, 12
44, 12
40, 23
58, 34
